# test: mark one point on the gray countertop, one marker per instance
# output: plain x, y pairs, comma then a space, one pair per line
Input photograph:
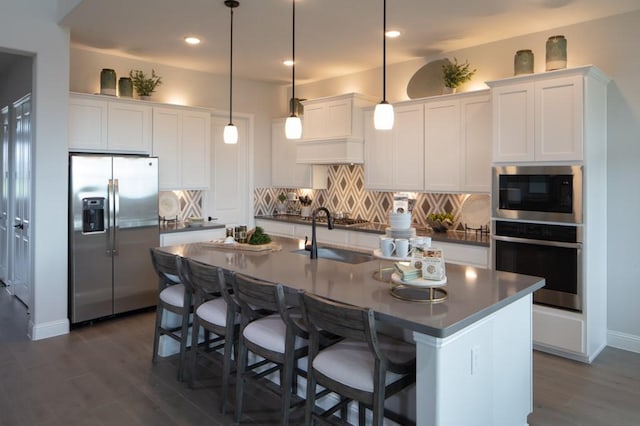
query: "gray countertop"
473, 293
460, 237
169, 227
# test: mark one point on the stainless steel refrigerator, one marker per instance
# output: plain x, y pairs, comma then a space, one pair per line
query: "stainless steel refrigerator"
113, 222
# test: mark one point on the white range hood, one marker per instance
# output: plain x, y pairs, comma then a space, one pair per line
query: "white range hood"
332, 130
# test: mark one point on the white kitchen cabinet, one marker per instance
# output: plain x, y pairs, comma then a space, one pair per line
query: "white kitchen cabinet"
100, 124
285, 172
394, 158
181, 141
457, 138
332, 130
540, 117
187, 237
464, 254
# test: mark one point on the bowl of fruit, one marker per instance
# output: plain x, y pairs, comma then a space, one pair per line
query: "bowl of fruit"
440, 222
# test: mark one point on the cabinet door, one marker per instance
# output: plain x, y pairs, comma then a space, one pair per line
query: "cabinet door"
442, 146
166, 146
129, 127
408, 148
513, 118
285, 172
195, 149
475, 144
313, 124
338, 115
558, 125
87, 124
378, 156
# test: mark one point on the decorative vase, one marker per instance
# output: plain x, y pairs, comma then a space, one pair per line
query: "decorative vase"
523, 62
125, 87
556, 52
145, 97
305, 211
108, 82
449, 90
281, 207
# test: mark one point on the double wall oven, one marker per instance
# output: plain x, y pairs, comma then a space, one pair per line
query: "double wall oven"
538, 229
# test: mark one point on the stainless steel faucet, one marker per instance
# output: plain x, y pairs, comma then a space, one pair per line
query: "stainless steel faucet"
314, 246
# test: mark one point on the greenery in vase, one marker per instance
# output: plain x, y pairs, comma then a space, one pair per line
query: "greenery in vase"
305, 200
455, 74
144, 84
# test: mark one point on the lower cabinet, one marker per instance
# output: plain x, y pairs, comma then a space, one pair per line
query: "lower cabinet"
186, 237
464, 254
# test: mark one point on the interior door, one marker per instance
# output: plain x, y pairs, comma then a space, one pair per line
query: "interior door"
22, 205
4, 193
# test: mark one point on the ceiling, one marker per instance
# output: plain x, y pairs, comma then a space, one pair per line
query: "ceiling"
333, 37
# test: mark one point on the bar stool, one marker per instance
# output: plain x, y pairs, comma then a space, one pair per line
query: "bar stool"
216, 312
365, 366
174, 297
271, 329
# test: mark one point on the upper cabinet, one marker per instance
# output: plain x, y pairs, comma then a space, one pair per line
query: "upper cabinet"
332, 130
102, 124
181, 141
285, 172
457, 153
394, 158
541, 117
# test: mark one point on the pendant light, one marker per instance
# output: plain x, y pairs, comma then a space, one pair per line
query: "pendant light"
230, 135
293, 125
383, 114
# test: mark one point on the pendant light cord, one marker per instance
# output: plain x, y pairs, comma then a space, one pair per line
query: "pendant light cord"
231, 69
384, 51
293, 59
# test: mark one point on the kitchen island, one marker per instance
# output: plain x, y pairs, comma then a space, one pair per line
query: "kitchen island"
474, 349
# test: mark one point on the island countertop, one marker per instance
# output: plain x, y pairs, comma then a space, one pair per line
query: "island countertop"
473, 293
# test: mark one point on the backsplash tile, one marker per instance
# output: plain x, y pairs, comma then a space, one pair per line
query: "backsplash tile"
346, 192
190, 204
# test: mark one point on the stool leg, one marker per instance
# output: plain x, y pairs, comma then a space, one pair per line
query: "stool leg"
241, 366
226, 370
156, 336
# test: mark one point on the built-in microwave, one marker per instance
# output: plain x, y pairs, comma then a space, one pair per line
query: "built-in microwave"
538, 193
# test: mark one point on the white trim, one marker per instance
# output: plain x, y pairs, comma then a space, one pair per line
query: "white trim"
625, 341
48, 329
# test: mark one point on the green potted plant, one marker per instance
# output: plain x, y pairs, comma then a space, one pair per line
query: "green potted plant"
454, 74
305, 203
282, 208
143, 83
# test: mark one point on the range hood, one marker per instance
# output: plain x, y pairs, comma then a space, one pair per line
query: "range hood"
332, 130
330, 151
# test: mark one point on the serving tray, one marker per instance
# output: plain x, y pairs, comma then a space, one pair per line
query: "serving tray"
242, 246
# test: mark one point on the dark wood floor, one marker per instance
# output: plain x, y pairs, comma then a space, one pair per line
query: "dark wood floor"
102, 375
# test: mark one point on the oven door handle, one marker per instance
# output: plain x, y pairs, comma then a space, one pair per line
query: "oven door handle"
537, 242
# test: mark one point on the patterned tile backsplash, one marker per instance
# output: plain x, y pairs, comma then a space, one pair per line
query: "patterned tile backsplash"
190, 204
346, 192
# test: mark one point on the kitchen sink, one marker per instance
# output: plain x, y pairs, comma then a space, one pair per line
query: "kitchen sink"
339, 255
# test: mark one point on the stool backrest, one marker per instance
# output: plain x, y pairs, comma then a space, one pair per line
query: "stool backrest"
166, 266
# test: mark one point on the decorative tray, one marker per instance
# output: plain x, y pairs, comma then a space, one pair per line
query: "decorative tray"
242, 246
418, 282
378, 253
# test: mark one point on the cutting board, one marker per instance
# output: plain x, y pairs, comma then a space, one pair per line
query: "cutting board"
246, 247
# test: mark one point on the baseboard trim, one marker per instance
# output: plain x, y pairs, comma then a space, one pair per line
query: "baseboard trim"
625, 341
48, 329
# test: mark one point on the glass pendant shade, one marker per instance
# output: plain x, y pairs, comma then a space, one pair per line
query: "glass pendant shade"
383, 116
293, 127
230, 134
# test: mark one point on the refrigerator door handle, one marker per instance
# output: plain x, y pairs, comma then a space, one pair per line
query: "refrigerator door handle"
109, 213
116, 212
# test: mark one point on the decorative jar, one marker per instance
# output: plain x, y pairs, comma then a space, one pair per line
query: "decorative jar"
108, 82
523, 62
125, 87
556, 52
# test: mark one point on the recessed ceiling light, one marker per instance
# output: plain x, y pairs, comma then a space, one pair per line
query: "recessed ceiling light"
288, 62
392, 33
192, 40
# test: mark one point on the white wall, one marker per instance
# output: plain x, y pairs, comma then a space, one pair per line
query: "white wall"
611, 45
185, 87
28, 26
